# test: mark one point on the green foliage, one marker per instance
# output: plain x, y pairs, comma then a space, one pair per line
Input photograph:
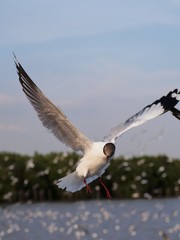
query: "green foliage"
24, 177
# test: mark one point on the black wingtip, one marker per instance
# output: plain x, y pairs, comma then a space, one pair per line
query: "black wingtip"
16, 62
14, 55
175, 112
19, 68
15, 58
170, 100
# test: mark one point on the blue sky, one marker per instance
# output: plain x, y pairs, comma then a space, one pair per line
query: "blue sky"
100, 61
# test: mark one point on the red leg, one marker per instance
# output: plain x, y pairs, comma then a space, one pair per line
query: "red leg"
107, 191
88, 189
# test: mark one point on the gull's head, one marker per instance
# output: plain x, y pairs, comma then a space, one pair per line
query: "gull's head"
109, 150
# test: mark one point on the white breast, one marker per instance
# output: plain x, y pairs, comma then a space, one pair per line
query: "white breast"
93, 161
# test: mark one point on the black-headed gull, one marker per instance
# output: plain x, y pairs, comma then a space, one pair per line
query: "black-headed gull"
97, 155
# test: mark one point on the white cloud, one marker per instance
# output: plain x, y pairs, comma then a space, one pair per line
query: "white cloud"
11, 128
6, 100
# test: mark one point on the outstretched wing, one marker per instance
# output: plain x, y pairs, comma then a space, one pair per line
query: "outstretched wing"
51, 117
164, 104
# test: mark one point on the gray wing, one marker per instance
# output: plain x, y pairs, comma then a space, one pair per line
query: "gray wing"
164, 104
51, 117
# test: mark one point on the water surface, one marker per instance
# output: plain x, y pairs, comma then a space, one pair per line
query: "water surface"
102, 220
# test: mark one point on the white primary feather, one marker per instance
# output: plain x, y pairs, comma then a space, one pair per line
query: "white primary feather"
157, 108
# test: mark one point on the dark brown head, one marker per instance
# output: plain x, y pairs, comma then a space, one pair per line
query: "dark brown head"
109, 150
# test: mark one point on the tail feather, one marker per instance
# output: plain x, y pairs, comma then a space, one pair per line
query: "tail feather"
71, 182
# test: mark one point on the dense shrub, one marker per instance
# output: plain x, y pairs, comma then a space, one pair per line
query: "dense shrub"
24, 177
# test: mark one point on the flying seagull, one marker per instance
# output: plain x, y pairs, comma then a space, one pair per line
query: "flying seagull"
96, 155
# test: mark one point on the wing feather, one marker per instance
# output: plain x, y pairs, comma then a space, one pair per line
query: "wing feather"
176, 113
51, 117
157, 108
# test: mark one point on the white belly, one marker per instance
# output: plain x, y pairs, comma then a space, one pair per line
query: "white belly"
93, 161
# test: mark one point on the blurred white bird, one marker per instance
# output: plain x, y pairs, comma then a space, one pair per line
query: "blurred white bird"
97, 155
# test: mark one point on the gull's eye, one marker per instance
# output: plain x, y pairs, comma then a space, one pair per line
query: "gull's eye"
109, 149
